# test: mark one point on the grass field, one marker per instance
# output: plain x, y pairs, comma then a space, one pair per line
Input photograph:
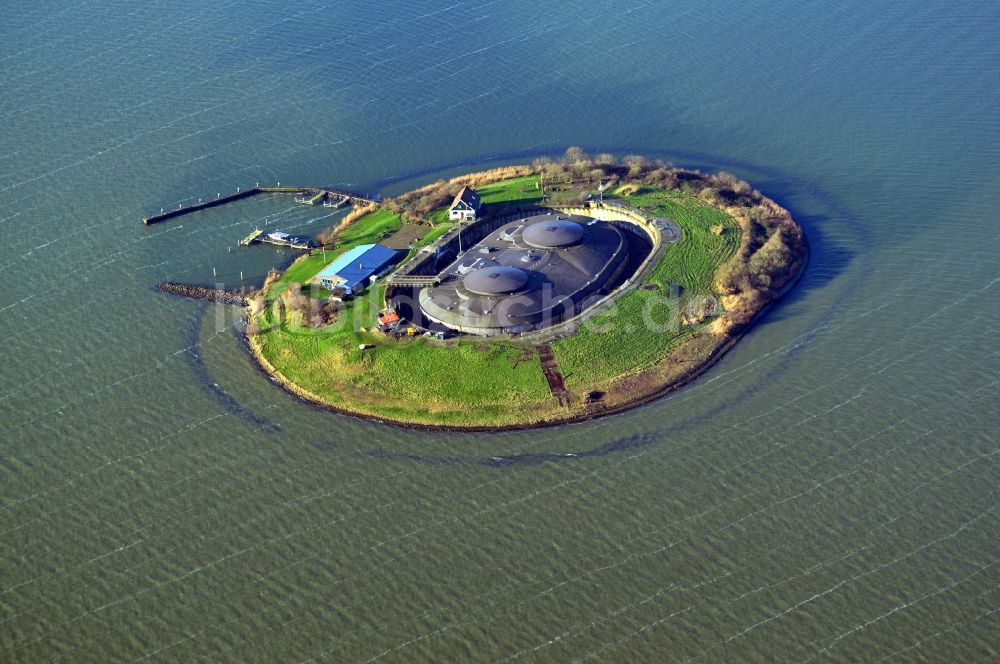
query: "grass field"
369, 228
519, 191
645, 325
414, 379
493, 382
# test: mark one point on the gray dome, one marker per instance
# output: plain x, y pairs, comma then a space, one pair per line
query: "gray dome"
553, 234
498, 280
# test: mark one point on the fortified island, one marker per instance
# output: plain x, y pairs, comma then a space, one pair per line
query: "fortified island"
522, 296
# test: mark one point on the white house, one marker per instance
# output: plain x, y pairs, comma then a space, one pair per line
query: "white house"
465, 206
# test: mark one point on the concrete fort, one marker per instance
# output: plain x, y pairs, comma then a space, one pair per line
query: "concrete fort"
531, 272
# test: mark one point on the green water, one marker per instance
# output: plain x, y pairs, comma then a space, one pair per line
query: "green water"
828, 492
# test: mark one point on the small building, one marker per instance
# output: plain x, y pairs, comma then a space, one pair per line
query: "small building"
353, 271
388, 318
465, 206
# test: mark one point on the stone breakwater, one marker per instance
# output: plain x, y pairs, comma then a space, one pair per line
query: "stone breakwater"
237, 297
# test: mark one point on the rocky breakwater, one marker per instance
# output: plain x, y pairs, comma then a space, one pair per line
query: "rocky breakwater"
233, 296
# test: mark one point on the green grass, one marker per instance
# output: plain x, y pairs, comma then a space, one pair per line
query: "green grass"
413, 379
433, 234
369, 228
693, 262
622, 342
519, 191
439, 217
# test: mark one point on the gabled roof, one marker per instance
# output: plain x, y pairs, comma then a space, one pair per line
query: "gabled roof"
358, 264
468, 196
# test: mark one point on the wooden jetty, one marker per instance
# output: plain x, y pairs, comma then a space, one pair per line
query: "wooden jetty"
311, 198
330, 203
315, 195
250, 239
347, 197
332, 198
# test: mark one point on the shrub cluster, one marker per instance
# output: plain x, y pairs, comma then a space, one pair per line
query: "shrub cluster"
297, 307
416, 205
771, 251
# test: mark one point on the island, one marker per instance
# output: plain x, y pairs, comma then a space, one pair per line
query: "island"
526, 296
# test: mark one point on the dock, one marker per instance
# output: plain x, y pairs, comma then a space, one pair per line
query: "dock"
311, 195
330, 203
311, 198
332, 198
258, 236
250, 239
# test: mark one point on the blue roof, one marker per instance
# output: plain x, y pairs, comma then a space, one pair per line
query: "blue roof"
358, 264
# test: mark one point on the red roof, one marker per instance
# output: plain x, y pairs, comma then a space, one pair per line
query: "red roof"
388, 317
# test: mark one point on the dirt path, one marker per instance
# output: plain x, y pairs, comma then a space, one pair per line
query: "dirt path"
402, 238
552, 374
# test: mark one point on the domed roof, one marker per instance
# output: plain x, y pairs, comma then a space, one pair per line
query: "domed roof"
553, 234
497, 280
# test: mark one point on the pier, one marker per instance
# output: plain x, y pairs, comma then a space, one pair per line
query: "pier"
180, 211
315, 195
311, 195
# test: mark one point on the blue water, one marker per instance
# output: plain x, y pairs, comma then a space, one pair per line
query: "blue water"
828, 492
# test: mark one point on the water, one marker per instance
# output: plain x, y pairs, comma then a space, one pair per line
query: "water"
827, 492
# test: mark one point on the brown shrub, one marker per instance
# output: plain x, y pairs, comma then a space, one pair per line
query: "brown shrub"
637, 165
493, 175
576, 155
272, 276
253, 326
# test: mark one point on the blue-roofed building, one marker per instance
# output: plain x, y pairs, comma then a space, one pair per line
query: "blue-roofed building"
354, 270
